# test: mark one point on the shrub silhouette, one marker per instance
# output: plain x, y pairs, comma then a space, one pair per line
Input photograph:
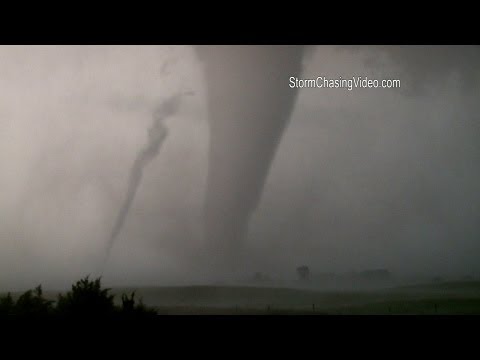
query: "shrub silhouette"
130, 309
32, 302
7, 305
86, 299
29, 303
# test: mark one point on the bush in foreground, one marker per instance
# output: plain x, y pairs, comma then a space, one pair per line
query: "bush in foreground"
85, 299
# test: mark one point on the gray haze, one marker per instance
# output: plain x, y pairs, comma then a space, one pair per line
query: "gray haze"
369, 178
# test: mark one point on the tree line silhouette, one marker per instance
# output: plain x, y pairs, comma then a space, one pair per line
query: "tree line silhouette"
86, 298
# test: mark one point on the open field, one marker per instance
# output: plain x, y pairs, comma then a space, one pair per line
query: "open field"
456, 298
444, 298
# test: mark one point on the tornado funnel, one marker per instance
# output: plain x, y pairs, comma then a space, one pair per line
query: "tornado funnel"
156, 137
250, 103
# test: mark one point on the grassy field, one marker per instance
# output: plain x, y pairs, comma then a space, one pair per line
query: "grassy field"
461, 298
455, 298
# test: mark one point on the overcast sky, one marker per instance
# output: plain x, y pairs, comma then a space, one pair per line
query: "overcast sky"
368, 178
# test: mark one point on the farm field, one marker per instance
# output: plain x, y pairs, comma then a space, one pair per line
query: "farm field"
449, 298
461, 298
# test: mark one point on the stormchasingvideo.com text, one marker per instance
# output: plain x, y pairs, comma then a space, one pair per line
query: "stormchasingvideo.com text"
354, 82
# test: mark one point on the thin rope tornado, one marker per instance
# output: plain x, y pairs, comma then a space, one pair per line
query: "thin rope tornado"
156, 137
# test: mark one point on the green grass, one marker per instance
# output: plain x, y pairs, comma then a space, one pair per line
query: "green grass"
428, 306
462, 298
439, 298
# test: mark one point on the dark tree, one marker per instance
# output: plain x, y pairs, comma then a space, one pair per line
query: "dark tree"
7, 305
87, 298
33, 303
303, 272
140, 310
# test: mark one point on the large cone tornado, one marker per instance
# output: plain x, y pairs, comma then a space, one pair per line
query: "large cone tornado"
249, 103
156, 136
